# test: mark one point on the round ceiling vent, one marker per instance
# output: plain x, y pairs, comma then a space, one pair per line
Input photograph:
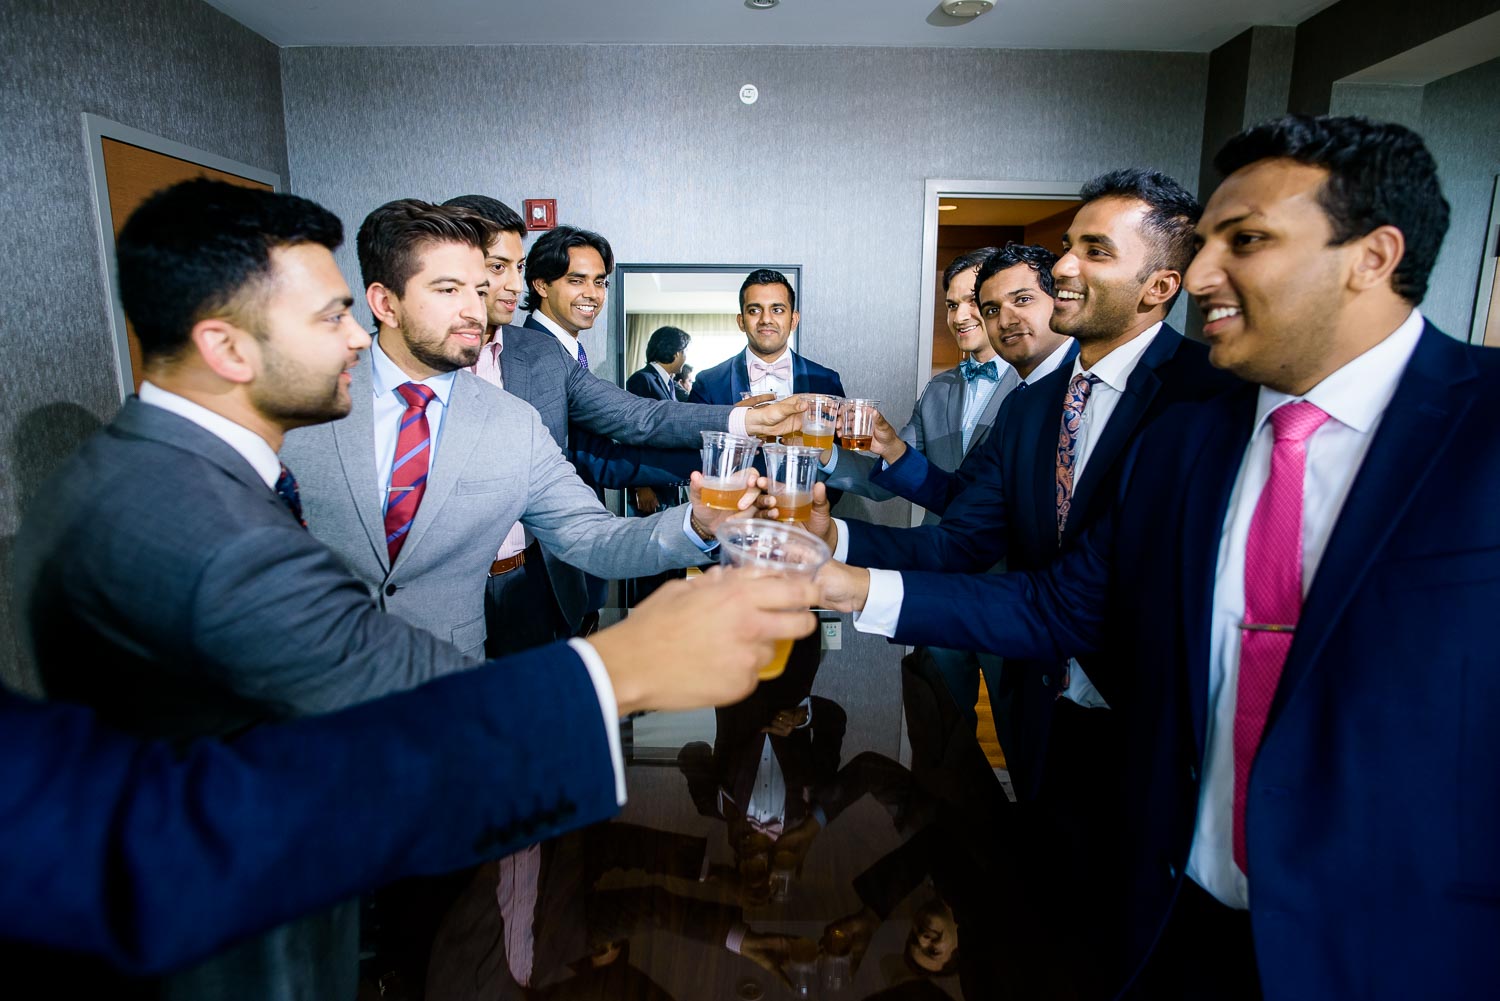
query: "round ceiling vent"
761, 4
966, 8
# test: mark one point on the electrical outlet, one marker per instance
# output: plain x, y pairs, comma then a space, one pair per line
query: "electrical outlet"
833, 635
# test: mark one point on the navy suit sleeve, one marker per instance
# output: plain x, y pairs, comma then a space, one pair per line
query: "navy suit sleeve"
615, 466
915, 478
1044, 616
152, 857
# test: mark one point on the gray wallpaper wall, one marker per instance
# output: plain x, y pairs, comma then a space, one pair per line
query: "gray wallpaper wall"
651, 146
1460, 121
174, 68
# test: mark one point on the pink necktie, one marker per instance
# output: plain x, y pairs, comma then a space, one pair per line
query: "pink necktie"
1273, 594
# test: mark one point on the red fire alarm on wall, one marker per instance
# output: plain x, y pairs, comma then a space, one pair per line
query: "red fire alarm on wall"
541, 213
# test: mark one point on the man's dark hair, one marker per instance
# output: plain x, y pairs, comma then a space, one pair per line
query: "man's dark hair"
1034, 256
665, 342
196, 250
1170, 222
767, 276
548, 260
972, 261
505, 218
390, 238
1379, 174
685, 371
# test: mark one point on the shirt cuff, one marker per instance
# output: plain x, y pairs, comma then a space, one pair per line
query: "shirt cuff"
1081, 690
882, 609
737, 422
841, 551
833, 460
735, 940
694, 537
607, 706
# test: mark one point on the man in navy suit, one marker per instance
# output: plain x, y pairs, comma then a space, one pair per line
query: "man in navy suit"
666, 353
1291, 586
1121, 271
768, 316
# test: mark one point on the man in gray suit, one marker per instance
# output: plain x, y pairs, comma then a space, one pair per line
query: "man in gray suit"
164, 576
486, 463
620, 439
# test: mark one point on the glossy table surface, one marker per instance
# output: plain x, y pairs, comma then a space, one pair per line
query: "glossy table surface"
764, 853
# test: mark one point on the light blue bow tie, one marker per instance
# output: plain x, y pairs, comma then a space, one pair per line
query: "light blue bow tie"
971, 370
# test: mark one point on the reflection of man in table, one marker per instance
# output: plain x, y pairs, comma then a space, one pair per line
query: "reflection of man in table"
556, 933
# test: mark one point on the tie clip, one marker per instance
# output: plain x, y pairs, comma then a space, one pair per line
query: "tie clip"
1266, 627
397, 490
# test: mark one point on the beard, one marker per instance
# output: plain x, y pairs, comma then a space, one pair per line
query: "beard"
292, 396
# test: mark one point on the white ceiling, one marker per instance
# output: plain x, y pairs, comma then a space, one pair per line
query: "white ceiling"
1164, 25
685, 291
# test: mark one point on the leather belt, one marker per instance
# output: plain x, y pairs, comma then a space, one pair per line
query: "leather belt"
508, 564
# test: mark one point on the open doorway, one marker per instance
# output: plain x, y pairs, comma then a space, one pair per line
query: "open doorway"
984, 213
966, 224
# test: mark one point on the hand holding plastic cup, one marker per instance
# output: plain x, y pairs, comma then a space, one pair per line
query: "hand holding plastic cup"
768, 547
726, 457
792, 470
820, 421
858, 429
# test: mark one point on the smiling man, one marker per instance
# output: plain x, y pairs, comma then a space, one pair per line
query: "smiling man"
1293, 585
768, 316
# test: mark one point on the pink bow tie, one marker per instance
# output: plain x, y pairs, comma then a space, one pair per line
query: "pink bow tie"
782, 369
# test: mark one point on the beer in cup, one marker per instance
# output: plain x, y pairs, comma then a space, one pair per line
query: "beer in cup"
859, 424
770, 547
820, 421
726, 457
792, 470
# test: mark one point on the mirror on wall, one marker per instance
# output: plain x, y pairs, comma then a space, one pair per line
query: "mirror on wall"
702, 299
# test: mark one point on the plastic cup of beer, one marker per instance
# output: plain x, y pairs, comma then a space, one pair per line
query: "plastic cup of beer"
859, 424
770, 547
726, 457
792, 471
820, 420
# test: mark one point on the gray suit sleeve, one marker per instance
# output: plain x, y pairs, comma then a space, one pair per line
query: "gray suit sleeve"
565, 515
282, 621
606, 409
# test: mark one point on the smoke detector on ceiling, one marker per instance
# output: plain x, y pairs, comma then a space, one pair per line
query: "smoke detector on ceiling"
966, 8
761, 4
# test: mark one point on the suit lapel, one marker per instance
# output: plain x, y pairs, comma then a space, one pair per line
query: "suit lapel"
953, 414
800, 375
1430, 400
354, 437
1044, 462
1215, 460
457, 439
1008, 382
517, 377
739, 379
1140, 390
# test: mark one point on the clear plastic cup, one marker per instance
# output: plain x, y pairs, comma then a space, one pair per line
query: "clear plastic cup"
726, 457
820, 421
858, 429
770, 547
792, 470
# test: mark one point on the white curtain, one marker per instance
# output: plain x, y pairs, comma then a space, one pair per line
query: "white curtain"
715, 337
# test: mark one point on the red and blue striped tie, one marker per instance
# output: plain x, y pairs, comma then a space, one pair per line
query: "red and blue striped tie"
409, 472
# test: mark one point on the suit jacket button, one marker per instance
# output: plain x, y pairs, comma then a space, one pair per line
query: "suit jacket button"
390, 589
1193, 773
1171, 871
1046, 680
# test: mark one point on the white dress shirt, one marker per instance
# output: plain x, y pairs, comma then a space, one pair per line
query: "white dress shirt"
252, 447
386, 377
568, 341
883, 604
1047, 365
770, 383
1355, 398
